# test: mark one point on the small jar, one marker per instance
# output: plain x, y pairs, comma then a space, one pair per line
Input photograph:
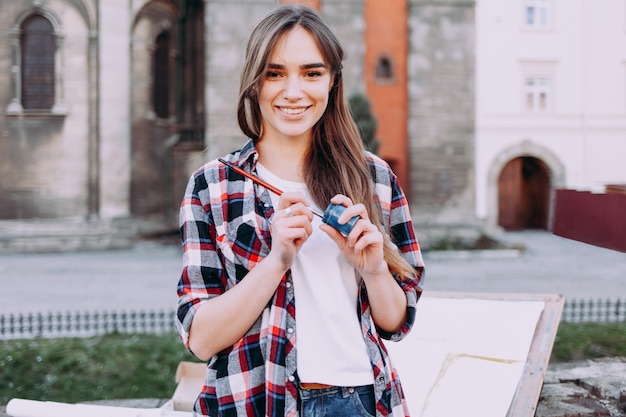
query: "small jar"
331, 215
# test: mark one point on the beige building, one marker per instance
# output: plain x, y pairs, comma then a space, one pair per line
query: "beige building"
102, 105
106, 106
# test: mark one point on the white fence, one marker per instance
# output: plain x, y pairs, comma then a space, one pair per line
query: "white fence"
84, 324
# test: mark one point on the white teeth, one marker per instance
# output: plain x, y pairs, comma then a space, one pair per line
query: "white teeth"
292, 111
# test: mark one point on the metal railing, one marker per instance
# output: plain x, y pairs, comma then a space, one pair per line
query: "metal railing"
85, 324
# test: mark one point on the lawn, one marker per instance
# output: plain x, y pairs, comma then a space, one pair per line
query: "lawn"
143, 366
72, 370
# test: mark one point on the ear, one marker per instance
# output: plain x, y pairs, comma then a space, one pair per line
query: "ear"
337, 76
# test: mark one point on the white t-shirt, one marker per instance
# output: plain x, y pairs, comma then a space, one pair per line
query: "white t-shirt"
330, 344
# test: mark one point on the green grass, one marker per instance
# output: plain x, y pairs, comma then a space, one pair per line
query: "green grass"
588, 341
98, 368
143, 366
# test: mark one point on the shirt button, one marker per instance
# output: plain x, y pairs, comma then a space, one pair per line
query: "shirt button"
266, 205
288, 285
290, 330
291, 378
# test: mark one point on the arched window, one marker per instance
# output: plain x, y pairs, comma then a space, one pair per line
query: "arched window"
37, 44
38, 49
161, 76
384, 70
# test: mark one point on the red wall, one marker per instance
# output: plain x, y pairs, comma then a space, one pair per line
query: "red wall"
597, 219
386, 34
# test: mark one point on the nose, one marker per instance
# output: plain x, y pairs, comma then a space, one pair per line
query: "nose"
293, 89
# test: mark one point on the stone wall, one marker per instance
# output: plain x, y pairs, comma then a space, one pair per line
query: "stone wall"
44, 154
441, 111
590, 388
228, 26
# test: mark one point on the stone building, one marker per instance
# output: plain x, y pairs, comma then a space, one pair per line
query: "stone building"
101, 106
107, 106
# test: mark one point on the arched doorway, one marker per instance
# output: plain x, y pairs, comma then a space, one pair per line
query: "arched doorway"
524, 194
167, 105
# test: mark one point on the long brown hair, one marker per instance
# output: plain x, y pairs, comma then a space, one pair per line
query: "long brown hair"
335, 162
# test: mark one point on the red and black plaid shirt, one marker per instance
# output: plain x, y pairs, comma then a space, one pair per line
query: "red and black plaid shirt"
225, 222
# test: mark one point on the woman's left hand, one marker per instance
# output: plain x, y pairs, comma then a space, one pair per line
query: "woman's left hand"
363, 247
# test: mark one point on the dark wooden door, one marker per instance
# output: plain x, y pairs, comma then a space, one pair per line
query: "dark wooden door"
536, 193
524, 194
509, 195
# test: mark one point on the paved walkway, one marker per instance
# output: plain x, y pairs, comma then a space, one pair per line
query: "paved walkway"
144, 277
550, 264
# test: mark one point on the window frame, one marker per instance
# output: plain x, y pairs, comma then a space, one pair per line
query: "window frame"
538, 69
541, 84
162, 76
15, 106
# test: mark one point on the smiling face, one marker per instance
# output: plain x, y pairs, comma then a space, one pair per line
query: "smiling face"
294, 92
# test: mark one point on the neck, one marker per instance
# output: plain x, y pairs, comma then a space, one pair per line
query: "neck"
285, 159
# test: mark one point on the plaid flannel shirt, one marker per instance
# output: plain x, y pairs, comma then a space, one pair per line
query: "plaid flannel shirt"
225, 221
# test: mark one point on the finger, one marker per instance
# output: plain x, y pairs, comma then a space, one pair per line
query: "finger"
293, 235
351, 211
363, 228
290, 198
334, 234
368, 239
341, 199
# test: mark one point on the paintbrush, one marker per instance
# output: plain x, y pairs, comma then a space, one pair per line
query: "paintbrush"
261, 182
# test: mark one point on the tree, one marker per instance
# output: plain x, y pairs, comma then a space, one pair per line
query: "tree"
361, 111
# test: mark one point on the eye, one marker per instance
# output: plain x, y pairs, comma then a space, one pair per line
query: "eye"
272, 74
313, 74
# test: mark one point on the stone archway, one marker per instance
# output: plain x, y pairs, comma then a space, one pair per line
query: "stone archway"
532, 173
151, 128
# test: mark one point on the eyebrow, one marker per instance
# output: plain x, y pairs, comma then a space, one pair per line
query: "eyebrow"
304, 66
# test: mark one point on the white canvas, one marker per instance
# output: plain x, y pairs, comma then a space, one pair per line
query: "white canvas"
465, 356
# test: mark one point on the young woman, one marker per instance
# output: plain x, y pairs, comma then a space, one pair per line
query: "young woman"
290, 313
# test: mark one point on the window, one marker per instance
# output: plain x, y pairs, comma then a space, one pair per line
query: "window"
37, 65
161, 76
38, 50
537, 91
538, 13
384, 70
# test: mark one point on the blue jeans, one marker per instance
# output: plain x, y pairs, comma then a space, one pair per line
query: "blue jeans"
338, 402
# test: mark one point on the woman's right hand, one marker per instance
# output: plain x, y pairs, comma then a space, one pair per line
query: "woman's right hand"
290, 228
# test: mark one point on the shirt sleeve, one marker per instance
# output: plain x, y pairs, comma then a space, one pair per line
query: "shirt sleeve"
402, 234
202, 270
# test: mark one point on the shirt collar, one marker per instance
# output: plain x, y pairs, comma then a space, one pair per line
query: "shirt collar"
248, 156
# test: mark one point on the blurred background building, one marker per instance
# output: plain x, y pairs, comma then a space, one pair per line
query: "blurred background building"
484, 108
